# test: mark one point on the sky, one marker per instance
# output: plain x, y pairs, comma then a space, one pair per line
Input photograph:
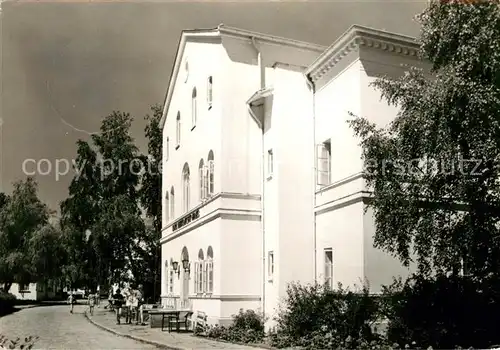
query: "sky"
66, 65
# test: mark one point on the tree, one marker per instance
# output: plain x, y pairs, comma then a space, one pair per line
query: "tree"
47, 254
117, 232
433, 171
3, 200
22, 215
100, 198
149, 254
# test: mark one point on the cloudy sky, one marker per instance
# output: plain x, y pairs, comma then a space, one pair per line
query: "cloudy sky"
66, 65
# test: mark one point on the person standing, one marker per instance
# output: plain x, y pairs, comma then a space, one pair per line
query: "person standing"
91, 301
71, 300
118, 303
110, 300
140, 301
128, 305
133, 305
98, 296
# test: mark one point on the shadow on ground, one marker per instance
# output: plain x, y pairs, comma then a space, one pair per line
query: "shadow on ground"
24, 304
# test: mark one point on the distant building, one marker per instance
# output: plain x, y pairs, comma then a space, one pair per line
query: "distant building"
262, 176
33, 291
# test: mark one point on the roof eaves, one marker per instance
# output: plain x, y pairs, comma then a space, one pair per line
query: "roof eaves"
266, 38
355, 37
175, 68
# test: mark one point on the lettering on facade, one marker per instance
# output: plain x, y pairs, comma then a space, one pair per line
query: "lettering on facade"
186, 220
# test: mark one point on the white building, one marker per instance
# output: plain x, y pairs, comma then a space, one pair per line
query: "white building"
262, 176
33, 291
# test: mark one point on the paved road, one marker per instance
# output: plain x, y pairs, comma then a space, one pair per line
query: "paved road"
58, 329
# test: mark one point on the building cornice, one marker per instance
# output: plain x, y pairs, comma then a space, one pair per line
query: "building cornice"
356, 37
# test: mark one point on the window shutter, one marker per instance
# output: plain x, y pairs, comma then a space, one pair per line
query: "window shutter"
172, 205
209, 91
194, 110
204, 277
202, 192
211, 177
196, 267
205, 181
210, 276
178, 132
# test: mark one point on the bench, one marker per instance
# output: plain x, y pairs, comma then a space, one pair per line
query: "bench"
199, 322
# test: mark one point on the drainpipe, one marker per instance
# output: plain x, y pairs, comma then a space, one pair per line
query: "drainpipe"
311, 86
262, 70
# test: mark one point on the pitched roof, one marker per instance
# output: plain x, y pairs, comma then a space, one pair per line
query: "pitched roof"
220, 31
355, 37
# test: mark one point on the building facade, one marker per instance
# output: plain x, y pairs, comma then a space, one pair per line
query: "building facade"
33, 291
262, 176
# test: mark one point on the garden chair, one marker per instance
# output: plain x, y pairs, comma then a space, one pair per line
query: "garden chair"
182, 319
199, 322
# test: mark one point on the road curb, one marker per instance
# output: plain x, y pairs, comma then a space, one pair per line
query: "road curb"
133, 337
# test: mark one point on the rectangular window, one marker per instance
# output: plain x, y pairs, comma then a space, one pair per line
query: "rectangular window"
270, 162
324, 163
270, 265
329, 268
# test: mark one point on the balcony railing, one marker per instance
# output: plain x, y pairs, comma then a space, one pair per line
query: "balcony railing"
177, 303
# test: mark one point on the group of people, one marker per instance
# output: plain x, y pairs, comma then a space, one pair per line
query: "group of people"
128, 301
93, 300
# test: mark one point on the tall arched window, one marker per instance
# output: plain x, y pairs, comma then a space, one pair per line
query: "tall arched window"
194, 108
201, 174
178, 129
185, 187
172, 203
209, 91
198, 271
211, 175
166, 208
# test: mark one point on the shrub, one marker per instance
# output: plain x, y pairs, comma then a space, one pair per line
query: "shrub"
247, 327
7, 302
443, 312
313, 316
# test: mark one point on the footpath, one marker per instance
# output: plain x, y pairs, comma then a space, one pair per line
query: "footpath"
106, 320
